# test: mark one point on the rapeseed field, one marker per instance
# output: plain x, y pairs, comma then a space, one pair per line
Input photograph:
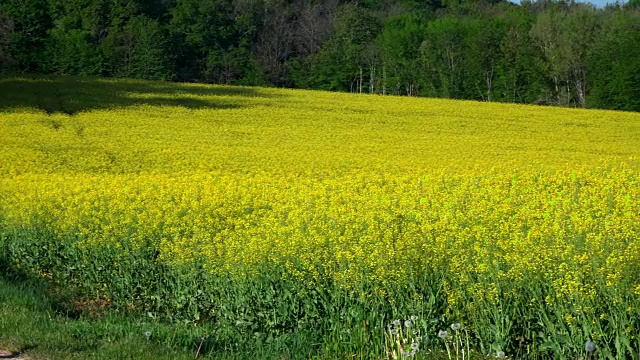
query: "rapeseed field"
493, 229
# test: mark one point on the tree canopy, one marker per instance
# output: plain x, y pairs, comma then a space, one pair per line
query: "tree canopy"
544, 52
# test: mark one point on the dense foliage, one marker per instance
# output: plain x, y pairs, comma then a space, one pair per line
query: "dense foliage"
544, 52
314, 219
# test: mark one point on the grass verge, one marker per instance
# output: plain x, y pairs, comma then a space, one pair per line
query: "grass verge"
30, 323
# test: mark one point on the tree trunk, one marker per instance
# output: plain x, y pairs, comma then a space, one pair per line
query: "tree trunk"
372, 72
580, 84
384, 79
489, 81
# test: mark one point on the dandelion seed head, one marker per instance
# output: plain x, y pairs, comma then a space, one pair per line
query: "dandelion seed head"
589, 346
407, 323
396, 322
456, 326
415, 346
501, 355
443, 334
414, 318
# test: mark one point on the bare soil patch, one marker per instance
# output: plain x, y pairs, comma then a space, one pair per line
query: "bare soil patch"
12, 355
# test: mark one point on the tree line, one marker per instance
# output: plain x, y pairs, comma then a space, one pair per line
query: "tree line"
545, 52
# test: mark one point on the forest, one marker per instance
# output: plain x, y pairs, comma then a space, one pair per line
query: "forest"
543, 52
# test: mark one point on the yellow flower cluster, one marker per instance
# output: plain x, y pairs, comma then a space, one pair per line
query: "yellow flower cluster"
347, 186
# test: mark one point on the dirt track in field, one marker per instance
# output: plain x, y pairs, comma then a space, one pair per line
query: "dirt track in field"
12, 355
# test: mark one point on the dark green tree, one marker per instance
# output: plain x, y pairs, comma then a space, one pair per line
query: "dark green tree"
614, 68
399, 44
72, 52
482, 57
31, 22
519, 73
442, 55
210, 41
342, 63
6, 33
138, 50
563, 36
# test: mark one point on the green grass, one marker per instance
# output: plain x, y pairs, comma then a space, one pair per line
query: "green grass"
30, 323
266, 318
39, 325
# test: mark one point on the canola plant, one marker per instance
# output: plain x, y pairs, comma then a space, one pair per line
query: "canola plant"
501, 201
